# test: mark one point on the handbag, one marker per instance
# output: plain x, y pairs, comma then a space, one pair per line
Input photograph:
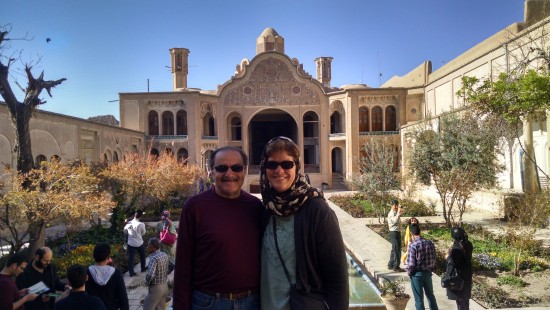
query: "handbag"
299, 300
452, 281
167, 237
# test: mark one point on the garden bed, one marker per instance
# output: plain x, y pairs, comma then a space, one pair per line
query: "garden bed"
495, 286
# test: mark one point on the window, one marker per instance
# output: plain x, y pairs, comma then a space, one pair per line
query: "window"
391, 119
181, 122
153, 123
167, 123
377, 119
364, 119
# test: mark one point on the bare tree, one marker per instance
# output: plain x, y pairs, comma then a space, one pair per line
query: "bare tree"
21, 113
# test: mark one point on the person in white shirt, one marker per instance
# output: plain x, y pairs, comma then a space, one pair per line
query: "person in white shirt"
394, 223
135, 231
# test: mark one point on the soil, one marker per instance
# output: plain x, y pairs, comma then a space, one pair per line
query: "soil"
533, 294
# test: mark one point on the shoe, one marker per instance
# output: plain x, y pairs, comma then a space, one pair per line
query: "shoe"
399, 269
143, 270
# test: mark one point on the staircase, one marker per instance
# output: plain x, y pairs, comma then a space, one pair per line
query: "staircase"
338, 182
543, 180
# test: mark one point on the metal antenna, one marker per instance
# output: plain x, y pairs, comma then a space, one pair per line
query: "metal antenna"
379, 73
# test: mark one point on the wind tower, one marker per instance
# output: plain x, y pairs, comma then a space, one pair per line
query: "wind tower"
180, 67
324, 73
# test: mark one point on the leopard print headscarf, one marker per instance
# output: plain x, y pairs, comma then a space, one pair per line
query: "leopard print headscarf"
288, 202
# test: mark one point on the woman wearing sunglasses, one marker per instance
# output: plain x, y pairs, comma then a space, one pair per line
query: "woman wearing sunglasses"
303, 251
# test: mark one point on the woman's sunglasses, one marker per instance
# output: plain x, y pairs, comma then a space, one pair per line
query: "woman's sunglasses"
224, 168
272, 165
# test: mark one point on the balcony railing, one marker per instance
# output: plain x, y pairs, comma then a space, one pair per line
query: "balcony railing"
166, 137
378, 133
312, 168
210, 137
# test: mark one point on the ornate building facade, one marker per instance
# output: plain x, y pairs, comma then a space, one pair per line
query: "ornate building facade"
268, 96
272, 95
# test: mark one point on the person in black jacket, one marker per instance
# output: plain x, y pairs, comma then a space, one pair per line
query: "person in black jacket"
460, 257
78, 298
41, 269
302, 246
106, 282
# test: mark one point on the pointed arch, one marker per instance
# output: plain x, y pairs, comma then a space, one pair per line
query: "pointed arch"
153, 123
181, 123
167, 123
364, 119
377, 119
391, 118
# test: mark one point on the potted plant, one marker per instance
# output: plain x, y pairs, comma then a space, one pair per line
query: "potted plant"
393, 294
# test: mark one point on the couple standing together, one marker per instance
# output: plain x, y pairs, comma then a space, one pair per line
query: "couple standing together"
232, 248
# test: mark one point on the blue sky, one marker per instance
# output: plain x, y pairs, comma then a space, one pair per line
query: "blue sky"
106, 47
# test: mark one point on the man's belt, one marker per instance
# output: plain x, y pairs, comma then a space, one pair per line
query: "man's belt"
233, 296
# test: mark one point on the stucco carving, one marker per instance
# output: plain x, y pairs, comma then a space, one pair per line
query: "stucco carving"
385, 99
271, 83
208, 108
209, 146
337, 106
165, 103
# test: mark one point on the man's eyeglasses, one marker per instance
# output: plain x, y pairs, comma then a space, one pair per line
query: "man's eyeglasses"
272, 165
224, 168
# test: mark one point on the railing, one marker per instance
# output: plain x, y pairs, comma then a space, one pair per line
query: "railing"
312, 168
210, 137
378, 133
337, 134
165, 137
253, 169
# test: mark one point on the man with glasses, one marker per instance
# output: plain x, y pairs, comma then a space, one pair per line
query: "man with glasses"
10, 296
218, 249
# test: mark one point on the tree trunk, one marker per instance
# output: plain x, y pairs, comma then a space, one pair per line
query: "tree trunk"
25, 160
531, 183
36, 238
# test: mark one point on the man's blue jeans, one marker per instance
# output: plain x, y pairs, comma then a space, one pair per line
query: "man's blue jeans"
200, 301
421, 281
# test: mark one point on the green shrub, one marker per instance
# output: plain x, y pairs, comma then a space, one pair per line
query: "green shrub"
511, 281
416, 208
82, 255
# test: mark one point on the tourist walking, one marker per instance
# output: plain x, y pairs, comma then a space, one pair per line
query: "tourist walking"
394, 235
157, 275
460, 257
167, 234
421, 261
12, 298
302, 248
135, 231
218, 247
41, 269
105, 281
78, 298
